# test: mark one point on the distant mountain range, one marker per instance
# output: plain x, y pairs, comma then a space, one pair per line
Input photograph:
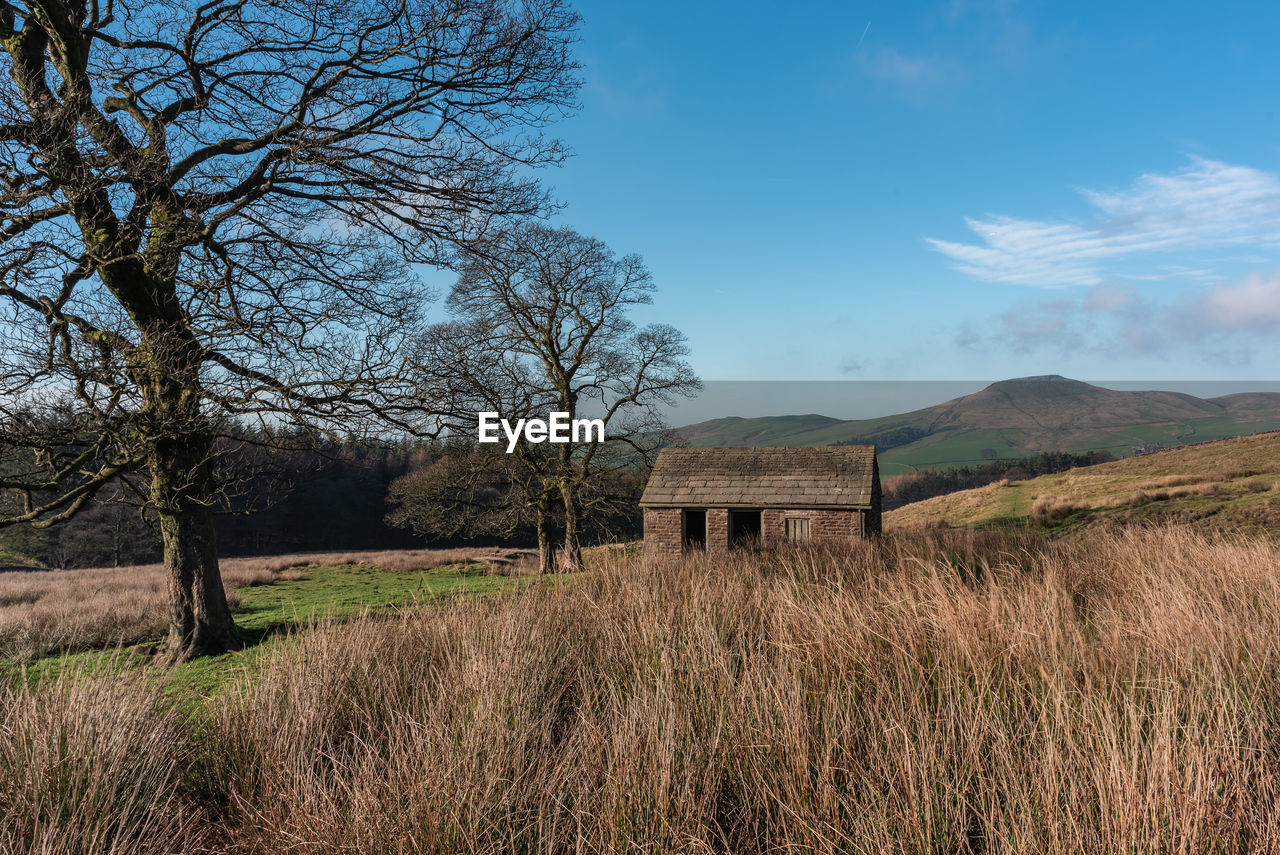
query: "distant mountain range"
1013, 418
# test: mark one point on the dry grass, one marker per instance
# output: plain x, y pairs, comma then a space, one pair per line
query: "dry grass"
1173, 481
54, 610
96, 766
1049, 509
939, 692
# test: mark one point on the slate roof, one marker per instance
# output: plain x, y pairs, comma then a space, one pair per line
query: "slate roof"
832, 477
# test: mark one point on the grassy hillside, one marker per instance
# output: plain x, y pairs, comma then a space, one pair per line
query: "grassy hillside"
1232, 484
771, 430
1012, 419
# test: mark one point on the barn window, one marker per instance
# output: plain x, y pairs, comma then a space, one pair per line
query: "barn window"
695, 529
797, 528
744, 528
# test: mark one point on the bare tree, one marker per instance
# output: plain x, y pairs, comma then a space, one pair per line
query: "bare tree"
463, 368
544, 315
214, 210
470, 491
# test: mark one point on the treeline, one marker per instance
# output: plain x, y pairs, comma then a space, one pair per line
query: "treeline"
888, 438
318, 497
327, 498
918, 486
291, 494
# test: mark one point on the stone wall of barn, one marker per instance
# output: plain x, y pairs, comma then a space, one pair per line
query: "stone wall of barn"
773, 525
664, 528
663, 532
824, 525
717, 530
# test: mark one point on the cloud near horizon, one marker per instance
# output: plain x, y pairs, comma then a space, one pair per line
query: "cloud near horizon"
1206, 205
1252, 306
1223, 321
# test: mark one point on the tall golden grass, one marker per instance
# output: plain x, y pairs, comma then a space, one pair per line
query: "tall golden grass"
98, 766
933, 692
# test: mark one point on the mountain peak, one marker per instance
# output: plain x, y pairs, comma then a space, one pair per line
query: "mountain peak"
1038, 378
1041, 385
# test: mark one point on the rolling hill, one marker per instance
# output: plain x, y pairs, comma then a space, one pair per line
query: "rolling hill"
1227, 485
1010, 419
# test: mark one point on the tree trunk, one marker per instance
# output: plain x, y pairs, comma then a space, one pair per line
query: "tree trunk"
117, 543
546, 536
178, 442
199, 619
572, 528
179, 451
568, 492
183, 490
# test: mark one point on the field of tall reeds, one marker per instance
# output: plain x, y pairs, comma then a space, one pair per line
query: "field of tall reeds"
933, 692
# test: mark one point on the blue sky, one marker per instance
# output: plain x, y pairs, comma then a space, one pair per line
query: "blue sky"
952, 190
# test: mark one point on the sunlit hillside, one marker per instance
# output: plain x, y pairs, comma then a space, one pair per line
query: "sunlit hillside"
1231, 484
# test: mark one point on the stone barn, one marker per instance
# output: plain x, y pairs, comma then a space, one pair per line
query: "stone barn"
721, 498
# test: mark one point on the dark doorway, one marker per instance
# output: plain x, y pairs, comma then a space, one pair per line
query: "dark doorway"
744, 528
695, 529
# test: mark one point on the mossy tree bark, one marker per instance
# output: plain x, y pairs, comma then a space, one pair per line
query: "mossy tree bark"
200, 620
546, 535
183, 492
572, 526
177, 447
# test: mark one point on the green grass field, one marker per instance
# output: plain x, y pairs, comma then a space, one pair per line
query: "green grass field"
339, 592
953, 449
268, 615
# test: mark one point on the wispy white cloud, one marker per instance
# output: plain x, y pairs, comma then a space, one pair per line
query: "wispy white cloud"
1206, 205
